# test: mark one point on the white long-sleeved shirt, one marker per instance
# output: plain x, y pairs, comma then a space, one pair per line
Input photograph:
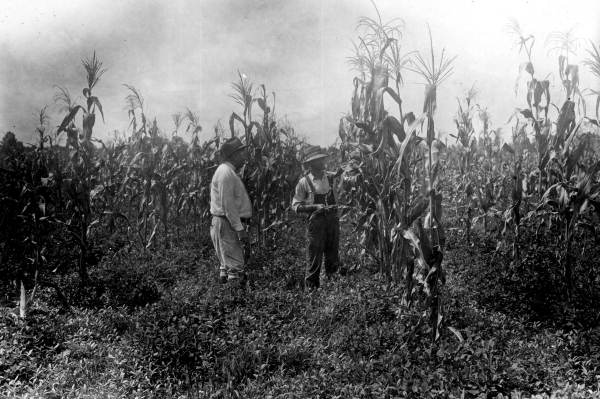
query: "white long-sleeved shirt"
228, 196
303, 194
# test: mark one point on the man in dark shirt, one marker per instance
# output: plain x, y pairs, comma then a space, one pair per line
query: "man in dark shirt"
315, 195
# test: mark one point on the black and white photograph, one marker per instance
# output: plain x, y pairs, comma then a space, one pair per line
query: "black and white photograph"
332, 199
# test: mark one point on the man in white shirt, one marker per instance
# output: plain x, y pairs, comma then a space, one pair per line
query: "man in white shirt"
315, 195
229, 203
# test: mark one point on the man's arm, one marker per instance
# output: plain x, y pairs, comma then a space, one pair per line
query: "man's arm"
228, 200
301, 196
309, 208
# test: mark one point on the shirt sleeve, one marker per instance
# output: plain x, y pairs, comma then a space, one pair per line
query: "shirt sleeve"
301, 196
228, 194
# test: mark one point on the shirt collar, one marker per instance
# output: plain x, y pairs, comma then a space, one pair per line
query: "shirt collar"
230, 165
313, 177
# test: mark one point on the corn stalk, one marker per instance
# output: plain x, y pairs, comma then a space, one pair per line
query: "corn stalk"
429, 245
82, 165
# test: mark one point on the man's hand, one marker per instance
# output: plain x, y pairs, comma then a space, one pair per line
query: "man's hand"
318, 209
243, 237
244, 240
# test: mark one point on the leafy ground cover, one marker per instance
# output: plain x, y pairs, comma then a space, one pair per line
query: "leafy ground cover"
157, 325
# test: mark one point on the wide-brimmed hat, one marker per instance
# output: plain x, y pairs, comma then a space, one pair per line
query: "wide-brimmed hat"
313, 152
231, 146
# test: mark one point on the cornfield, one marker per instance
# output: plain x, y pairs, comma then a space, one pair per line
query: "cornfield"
404, 187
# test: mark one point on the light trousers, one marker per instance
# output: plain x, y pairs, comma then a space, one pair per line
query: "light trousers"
228, 248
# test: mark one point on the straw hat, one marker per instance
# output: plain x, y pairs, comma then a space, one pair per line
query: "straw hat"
313, 152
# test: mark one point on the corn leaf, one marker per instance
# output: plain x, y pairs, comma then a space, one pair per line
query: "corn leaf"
69, 118
456, 333
392, 94
235, 117
263, 105
407, 144
151, 238
342, 131
573, 159
395, 127
526, 66
401, 163
526, 113
417, 210
415, 243
93, 100
508, 148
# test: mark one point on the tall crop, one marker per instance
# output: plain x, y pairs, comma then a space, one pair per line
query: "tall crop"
566, 44
565, 179
81, 161
28, 206
274, 168
467, 146
376, 136
593, 63
397, 198
430, 244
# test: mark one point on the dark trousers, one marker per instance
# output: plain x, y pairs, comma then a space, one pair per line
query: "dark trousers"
323, 240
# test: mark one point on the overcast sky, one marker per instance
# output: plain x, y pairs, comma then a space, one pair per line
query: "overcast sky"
185, 53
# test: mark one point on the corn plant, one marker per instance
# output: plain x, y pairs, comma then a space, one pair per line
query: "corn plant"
564, 184
593, 63
538, 91
107, 204
29, 196
243, 95
512, 215
203, 160
376, 135
42, 127
273, 168
566, 200
465, 132
177, 120
566, 44
467, 147
24, 201
81, 166
193, 125
430, 244
555, 159
397, 202
151, 172
488, 194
